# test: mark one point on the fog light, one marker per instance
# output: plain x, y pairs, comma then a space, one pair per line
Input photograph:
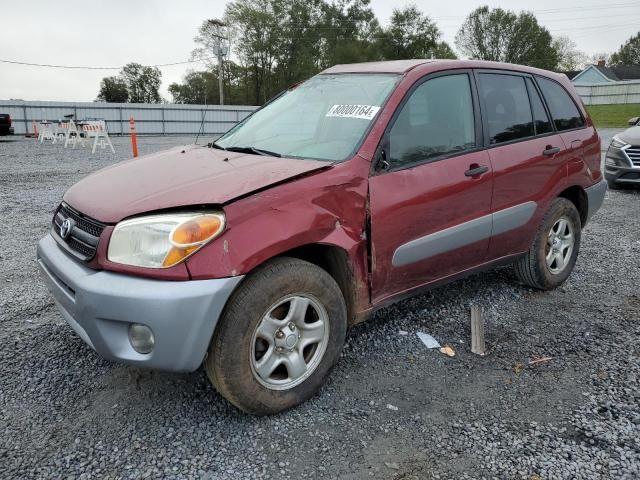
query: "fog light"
141, 338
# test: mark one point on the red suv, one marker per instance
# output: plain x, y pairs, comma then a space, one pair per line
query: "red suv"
352, 190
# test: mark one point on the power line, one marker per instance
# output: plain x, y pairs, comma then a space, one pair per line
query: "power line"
83, 67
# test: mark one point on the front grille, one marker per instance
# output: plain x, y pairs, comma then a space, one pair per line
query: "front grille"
633, 152
84, 235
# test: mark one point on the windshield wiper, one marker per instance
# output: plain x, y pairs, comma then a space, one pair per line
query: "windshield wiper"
256, 151
215, 145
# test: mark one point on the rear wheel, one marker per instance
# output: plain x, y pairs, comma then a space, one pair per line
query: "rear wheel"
553, 254
279, 337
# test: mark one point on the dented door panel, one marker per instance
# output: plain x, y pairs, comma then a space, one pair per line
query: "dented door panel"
428, 222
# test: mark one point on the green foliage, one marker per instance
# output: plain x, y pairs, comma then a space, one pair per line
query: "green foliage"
629, 53
142, 83
113, 90
198, 88
504, 36
135, 84
410, 35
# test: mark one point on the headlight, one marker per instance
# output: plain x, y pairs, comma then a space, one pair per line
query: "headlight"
162, 241
617, 143
616, 156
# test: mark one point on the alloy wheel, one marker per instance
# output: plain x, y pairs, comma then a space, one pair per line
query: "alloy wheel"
289, 342
560, 244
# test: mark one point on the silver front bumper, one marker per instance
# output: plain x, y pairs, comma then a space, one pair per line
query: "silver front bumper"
100, 306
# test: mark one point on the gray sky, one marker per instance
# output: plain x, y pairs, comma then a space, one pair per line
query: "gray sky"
115, 32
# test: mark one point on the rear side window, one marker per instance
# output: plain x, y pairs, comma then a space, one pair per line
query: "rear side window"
436, 120
506, 103
564, 111
541, 119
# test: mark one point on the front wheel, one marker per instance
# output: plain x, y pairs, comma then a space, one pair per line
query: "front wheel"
554, 251
279, 337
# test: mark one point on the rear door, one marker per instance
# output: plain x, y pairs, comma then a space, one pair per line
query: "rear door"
527, 155
581, 141
430, 204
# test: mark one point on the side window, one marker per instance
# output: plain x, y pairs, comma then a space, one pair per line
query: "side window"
436, 120
505, 100
540, 117
564, 111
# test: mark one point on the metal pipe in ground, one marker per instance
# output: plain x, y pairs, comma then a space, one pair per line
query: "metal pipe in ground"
477, 331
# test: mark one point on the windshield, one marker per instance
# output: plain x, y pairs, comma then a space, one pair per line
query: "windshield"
324, 118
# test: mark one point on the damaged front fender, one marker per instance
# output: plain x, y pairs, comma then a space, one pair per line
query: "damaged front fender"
328, 208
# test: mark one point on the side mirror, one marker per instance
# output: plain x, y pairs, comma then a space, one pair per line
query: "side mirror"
382, 158
634, 121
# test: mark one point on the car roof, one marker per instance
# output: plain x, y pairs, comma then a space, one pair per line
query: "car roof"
403, 66
389, 66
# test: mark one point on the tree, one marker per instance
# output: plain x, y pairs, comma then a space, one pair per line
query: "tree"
350, 33
134, 84
113, 90
444, 51
197, 88
505, 36
201, 88
569, 57
411, 34
629, 53
142, 83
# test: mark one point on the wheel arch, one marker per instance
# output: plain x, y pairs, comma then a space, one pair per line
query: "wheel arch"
337, 263
576, 195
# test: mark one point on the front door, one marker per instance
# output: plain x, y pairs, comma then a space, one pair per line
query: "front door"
430, 206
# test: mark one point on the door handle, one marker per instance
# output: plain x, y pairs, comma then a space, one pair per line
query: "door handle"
475, 170
549, 151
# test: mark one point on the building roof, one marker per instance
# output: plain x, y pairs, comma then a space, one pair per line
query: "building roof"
627, 72
571, 73
613, 74
608, 72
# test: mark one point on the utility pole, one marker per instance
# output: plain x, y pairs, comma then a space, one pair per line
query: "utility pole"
220, 49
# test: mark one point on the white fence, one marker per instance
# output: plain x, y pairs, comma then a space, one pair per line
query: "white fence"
151, 119
609, 93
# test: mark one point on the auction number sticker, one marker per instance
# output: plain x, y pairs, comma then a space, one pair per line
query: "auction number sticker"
365, 112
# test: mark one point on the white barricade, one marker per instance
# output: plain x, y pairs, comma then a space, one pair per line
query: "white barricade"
72, 134
46, 131
97, 129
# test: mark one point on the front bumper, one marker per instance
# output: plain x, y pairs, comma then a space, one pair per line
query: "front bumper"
622, 175
100, 306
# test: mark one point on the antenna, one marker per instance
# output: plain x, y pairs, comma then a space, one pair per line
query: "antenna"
204, 115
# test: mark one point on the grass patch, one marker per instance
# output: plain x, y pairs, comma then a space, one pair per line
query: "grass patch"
613, 116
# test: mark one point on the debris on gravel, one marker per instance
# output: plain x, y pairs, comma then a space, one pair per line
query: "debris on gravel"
65, 412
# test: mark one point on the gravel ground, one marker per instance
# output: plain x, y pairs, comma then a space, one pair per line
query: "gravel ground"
391, 409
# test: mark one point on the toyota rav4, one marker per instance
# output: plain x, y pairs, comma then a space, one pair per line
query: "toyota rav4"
354, 189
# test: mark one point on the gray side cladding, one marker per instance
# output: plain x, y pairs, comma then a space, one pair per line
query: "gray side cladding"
463, 234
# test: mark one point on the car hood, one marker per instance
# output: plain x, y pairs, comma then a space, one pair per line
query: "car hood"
630, 135
182, 176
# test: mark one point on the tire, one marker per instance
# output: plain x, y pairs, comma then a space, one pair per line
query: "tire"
533, 268
247, 343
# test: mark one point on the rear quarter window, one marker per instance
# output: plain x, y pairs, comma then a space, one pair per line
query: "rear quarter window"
564, 111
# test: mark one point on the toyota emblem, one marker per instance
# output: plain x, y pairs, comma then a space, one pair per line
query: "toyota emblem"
65, 228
